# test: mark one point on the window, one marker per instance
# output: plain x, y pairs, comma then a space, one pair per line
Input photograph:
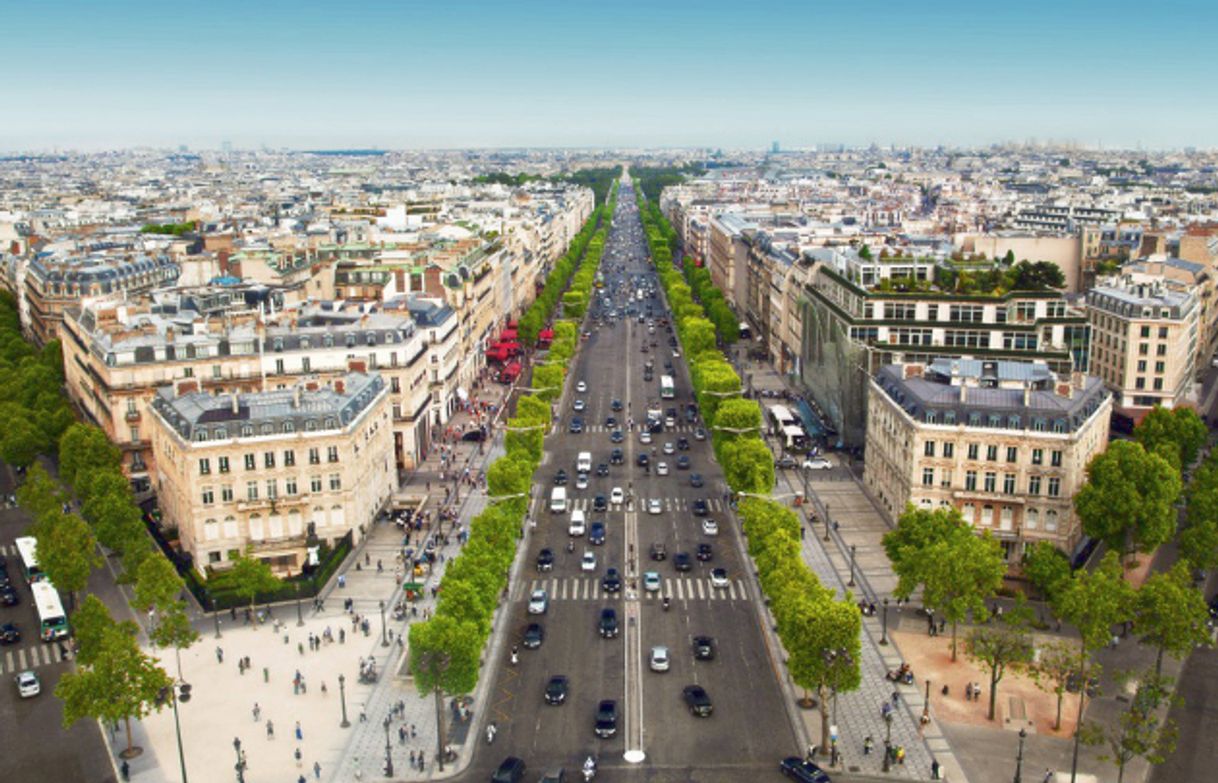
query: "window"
289, 486
215, 371
209, 496
1162, 332
1141, 365
332, 454
1139, 383
969, 512
272, 488
945, 478
1160, 367
223, 464
1145, 331
1034, 485
972, 450
991, 481
949, 449
131, 407
987, 515
249, 462
306, 365
135, 434
1055, 486
970, 481
289, 458
1031, 518
1051, 521
991, 453
268, 459
1012, 454
226, 493
213, 557
204, 466
279, 366
315, 484
314, 457
1008, 483
1158, 384
251, 490
928, 448
928, 477
336, 481
1143, 349
188, 372
1055, 459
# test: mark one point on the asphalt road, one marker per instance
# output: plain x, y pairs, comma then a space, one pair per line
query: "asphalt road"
749, 731
34, 745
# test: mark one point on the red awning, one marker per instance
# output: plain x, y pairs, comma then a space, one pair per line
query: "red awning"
511, 324
509, 346
497, 353
508, 334
546, 334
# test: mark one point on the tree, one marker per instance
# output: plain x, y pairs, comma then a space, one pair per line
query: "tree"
1171, 615
1128, 500
67, 551
21, 439
250, 576
1181, 428
84, 448
1199, 544
533, 409
1039, 276
444, 658
1056, 666
737, 417
509, 476
1046, 567
1001, 646
466, 602
120, 682
821, 636
157, 584
40, 494
547, 381
1138, 733
525, 437
748, 465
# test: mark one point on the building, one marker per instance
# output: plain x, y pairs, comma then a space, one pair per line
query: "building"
274, 474
1144, 340
1005, 443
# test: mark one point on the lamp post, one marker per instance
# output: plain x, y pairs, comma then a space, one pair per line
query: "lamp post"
926, 702
299, 616
181, 691
826, 523
342, 697
384, 636
388, 751
888, 742
1023, 734
851, 582
215, 615
884, 624
240, 765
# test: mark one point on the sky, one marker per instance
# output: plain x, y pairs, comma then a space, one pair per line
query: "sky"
111, 74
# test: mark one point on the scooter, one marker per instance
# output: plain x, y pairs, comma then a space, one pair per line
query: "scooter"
589, 768
665, 602
491, 730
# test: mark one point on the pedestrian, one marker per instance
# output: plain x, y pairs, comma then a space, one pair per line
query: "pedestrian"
299, 758
257, 713
299, 732
900, 754
1049, 775
943, 623
896, 697
342, 636
317, 770
412, 759
270, 730
266, 674
885, 709
868, 744
934, 770
363, 716
124, 769
401, 735
301, 779
968, 692
413, 733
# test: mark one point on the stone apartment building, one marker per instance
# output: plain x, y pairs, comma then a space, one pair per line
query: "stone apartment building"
274, 473
1006, 443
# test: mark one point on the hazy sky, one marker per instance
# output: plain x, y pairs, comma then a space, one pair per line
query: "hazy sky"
448, 73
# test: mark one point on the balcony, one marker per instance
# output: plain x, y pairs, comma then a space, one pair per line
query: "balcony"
133, 417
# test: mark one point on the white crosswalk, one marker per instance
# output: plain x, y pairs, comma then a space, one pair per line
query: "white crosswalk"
659, 436
28, 657
577, 588
671, 505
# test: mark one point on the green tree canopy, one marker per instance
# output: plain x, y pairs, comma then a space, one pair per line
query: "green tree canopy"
1128, 500
67, 551
1046, 567
249, 577
1171, 615
1181, 428
1001, 647
84, 448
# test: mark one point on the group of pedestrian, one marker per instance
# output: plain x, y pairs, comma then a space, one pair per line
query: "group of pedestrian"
972, 691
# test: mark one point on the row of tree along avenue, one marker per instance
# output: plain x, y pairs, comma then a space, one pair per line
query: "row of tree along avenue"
1129, 504
446, 650
820, 633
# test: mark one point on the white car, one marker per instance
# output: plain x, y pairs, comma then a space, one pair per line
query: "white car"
651, 581
710, 527
659, 658
653, 506
617, 497
27, 684
719, 577
817, 463
589, 562
581, 387
539, 601
579, 405
581, 481
669, 448
661, 468
644, 437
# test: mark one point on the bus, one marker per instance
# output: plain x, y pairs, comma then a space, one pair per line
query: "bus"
668, 389
27, 548
52, 620
787, 427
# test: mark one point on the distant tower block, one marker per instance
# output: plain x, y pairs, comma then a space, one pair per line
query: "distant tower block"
774, 147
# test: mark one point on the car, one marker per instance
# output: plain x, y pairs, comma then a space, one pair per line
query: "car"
691, 415
719, 577
539, 601
611, 422
588, 562
670, 420
642, 460
581, 387
682, 444
817, 463
475, 435
510, 771
705, 553
786, 462
651, 581
695, 480
616, 436
600, 503
704, 648
659, 658
616, 457
606, 719
681, 562
556, 690
644, 437
9, 597
802, 770
596, 533
607, 625
669, 447
699, 508
617, 496
710, 527
576, 426
545, 560
698, 701
647, 376
576, 526
602, 469
578, 406
682, 462
534, 635
581, 481
699, 434
560, 477
661, 468
659, 551
9, 634
28, 685
611, 582
653, 506
616, 405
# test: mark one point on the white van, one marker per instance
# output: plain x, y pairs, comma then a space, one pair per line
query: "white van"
578, 526
558, 500
583, 463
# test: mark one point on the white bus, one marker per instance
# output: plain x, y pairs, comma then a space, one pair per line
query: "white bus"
52, 620
788, 428
668, 389
27, 549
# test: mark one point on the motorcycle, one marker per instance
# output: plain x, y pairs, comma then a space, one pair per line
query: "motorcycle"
666, 602
515, 657
589, 768
902, 675
491, 730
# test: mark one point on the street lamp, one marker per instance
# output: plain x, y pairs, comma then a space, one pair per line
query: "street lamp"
384, 637
388, 751
299, 616
240, 765
1023, 734
926, 703
342, 697
884, 624
215, 615
179, 692
851, 582
888, 741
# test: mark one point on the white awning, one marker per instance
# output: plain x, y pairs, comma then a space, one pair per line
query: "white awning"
462, 394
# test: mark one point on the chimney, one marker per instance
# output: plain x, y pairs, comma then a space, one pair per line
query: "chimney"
236, 405
1064, 390
168, 334
339, 385
1078, 380
963, 391
296, 396
1027, 394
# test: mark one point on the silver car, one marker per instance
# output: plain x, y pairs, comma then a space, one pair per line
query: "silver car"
659, 658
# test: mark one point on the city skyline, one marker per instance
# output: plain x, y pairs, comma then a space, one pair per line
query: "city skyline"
308, 75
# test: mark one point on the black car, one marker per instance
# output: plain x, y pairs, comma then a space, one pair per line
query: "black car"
556, 690
802, 771
545, 560
695, 480
612, 581
510, 771
647, 376
705, 553
682, 462
602, 468
599, 503
616, 405
606, 719
681, 561
576, 426
596, 533
560, 477
616, 436
610, 421
699, 508
704, 648
682, 443
642, 460
9, 634
786, 462
534, 635
698, 701
608, 623
9, 597
475, 435
659, 551
616, 457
